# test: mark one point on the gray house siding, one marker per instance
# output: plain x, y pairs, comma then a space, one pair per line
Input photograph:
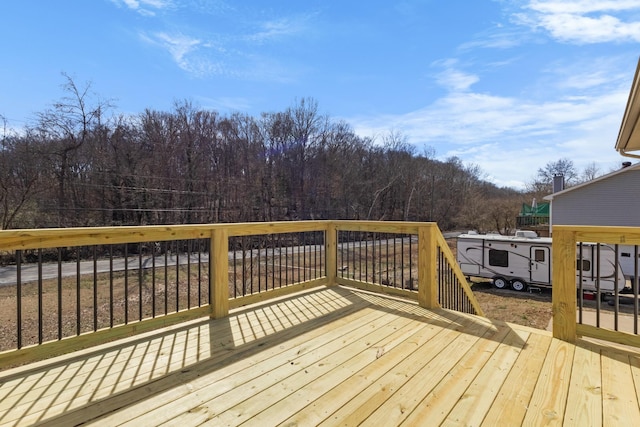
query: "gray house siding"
611, 201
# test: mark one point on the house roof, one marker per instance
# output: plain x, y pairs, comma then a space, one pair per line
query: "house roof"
629, 134
598, 179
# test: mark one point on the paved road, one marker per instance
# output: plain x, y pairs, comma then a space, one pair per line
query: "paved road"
29, 272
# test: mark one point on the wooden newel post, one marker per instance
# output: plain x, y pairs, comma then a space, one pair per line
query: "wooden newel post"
563, 295
331, 252
219, 273
427, 268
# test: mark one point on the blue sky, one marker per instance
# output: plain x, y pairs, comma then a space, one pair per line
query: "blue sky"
507, 85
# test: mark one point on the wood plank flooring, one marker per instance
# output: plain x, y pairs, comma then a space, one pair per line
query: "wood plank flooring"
331, 356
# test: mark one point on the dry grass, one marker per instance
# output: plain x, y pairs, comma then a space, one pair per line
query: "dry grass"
534, 309
107, 303
146, 295
522, 308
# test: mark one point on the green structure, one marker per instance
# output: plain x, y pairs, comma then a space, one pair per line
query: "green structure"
533, 215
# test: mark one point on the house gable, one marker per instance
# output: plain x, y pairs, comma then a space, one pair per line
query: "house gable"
610, 200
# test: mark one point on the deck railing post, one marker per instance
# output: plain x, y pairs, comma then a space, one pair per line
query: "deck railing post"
564, 285
331, 253
219, 272
427, 267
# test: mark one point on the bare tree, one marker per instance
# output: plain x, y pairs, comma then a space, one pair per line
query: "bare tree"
564, 167
503, 213
590, 172
194, 165
65, 127
542, 184
20, 170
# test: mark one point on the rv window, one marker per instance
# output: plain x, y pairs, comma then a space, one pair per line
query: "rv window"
539, 255
586, 265
498, 258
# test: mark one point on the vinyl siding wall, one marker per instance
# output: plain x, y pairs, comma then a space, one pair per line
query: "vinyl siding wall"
612, 201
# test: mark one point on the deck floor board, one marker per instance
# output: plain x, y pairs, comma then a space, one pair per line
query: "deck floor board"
478, 397
585, 408
619, 400
399, 404
518, 386
222, 397
436, 405
331, 356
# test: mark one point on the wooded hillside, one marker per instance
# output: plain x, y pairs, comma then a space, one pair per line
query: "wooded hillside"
76, 167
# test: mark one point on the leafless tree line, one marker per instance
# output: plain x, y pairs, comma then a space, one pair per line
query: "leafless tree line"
76, 167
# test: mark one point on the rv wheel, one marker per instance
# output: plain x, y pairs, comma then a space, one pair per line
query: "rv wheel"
499, 282
519, 285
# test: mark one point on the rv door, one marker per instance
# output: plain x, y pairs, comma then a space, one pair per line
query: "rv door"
540, 264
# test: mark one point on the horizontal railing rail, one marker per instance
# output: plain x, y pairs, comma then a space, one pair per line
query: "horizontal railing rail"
531, 220
64, 289
608, 308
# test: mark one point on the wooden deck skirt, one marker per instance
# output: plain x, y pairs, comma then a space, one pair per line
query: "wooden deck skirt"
331, 356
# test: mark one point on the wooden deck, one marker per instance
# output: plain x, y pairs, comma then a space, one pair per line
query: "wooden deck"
331, 356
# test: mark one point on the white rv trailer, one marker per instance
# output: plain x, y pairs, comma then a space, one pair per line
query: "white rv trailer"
525, 259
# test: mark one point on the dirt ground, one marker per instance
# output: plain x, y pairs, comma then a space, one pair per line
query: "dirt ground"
534, 308
523, 308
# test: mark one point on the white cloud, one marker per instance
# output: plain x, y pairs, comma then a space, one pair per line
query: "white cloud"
226, 103
497, 38
178, 45
586, 80
203, 58
582, 6
229, 45
144, 7
277, 28
583, 21
509, 137
585, 75
183, 50
456, 80
471, 118
583, 29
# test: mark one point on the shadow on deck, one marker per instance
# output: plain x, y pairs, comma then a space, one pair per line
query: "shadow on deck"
331, 356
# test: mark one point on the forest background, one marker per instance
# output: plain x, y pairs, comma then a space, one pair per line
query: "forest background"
79, 164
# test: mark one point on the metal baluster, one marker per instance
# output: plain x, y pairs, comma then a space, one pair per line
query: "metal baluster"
19, 296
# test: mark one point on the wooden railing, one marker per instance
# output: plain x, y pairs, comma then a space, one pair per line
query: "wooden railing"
569, 303
171, 274
411, 260
531, 220
453, 289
